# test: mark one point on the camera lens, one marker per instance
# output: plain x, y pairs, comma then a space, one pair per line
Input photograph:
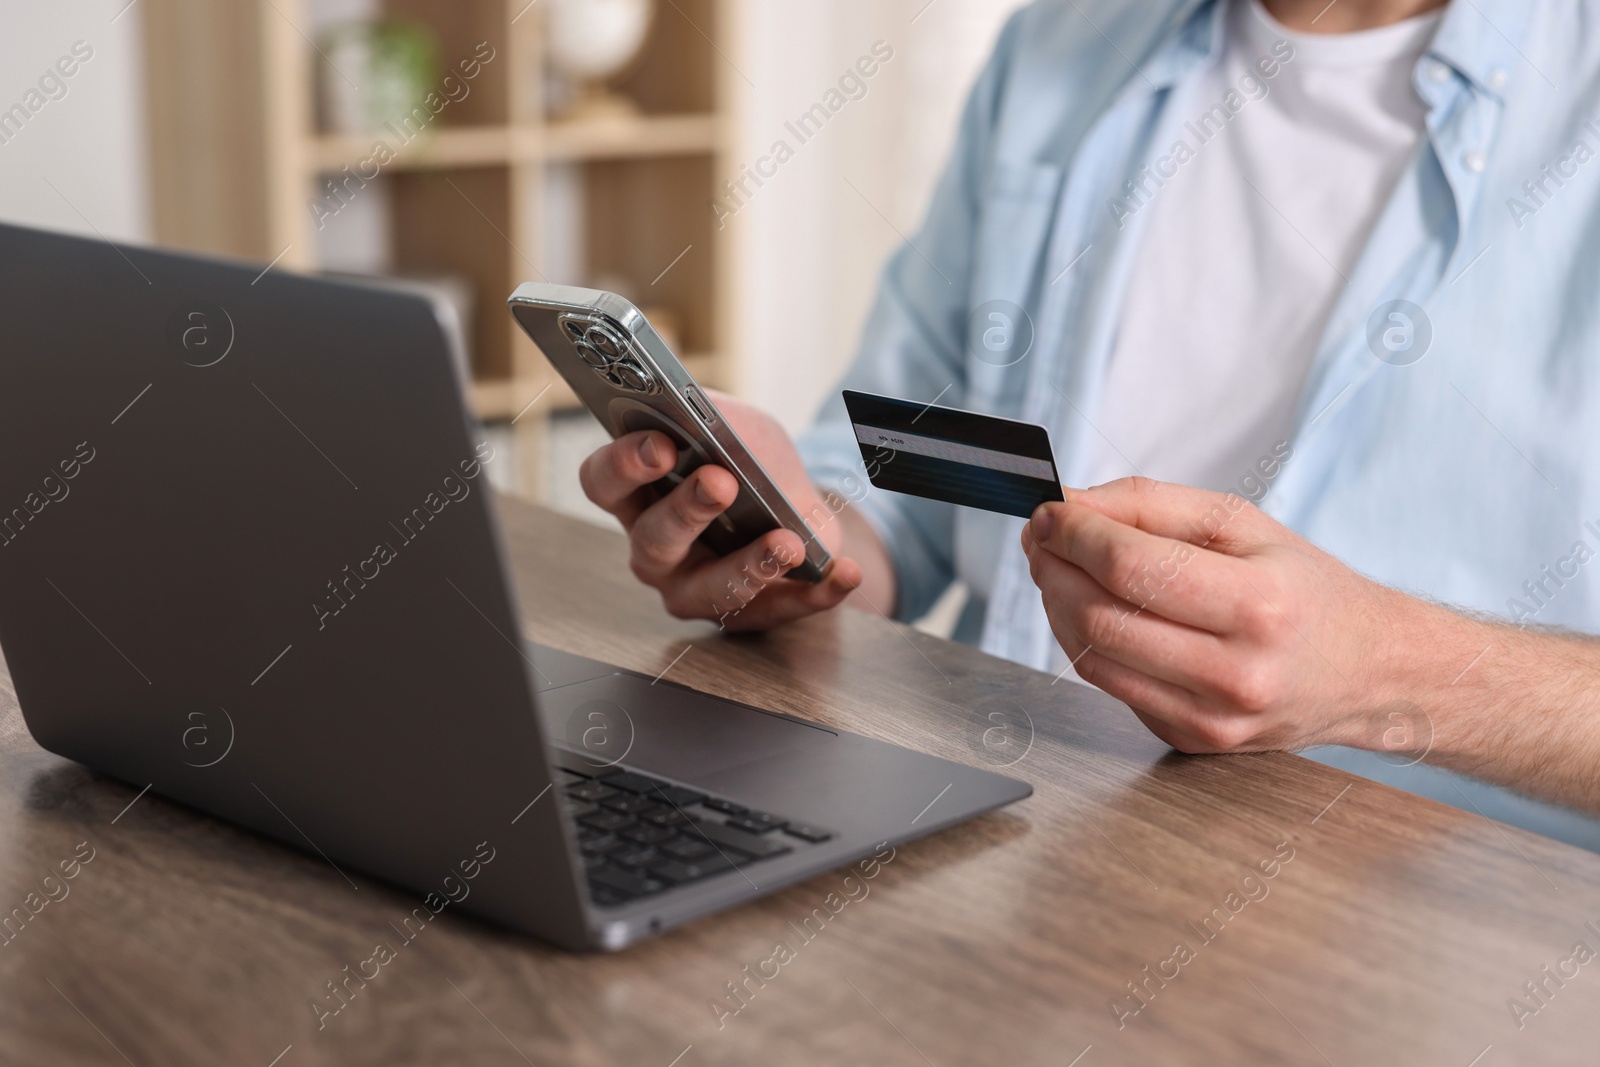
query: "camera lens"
574, 328
633, 376
604, 340
597, 360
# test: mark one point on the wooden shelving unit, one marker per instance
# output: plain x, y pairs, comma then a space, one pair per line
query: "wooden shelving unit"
237, 161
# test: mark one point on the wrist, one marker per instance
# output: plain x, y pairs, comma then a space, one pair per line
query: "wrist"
1416, 692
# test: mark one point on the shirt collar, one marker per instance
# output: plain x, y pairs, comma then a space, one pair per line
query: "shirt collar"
1196, 38
1483, 40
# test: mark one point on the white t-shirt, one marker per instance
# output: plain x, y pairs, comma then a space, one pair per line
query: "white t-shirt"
1251, 241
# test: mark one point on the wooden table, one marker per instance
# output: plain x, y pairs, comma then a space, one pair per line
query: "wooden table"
1392, 930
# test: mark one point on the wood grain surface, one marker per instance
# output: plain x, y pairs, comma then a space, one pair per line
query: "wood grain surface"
1349, 924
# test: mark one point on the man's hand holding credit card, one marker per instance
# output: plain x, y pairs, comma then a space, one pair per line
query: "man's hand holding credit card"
960, 457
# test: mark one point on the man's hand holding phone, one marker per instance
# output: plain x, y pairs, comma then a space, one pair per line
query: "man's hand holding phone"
745, 590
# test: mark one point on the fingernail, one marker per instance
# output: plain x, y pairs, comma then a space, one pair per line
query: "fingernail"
1040, 523
702, 494
649, 454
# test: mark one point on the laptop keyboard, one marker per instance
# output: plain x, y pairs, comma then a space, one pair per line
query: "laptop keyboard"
640, 835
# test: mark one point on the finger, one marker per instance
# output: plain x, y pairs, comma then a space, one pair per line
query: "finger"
1209, 729
612, 476
1124, 632
1224, 522
1177, 715
663, 534
1170, 712
731, 587
1161, 700
1174, 579
1186, 722
790, 599
1173, 733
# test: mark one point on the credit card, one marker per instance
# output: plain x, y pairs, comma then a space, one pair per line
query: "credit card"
960, 457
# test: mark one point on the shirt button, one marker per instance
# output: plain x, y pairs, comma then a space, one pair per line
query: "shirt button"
1474, 161
1438, 71
1498, 79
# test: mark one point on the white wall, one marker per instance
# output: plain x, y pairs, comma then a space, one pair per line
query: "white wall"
90, 143
815, 246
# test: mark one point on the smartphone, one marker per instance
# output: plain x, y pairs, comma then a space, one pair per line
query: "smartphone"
629, 380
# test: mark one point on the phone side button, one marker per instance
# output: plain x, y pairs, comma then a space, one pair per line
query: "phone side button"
701, 407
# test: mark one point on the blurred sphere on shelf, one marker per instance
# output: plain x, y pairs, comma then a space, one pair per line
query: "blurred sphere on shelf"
588, 41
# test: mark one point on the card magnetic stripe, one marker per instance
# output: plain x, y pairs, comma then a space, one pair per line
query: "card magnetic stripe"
958, 483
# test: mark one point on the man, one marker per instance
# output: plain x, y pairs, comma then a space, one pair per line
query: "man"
1328, 259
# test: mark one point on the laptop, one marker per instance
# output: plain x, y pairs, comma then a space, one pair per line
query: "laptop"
249, 561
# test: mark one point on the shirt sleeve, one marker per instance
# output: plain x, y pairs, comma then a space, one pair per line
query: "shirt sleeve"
913, 347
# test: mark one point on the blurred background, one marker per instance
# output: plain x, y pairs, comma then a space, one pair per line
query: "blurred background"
738, 168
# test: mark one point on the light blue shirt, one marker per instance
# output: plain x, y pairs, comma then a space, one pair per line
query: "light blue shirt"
1471, 476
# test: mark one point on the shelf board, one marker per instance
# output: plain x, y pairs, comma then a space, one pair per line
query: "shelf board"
450, 146
497, 400
484, 146
653, 135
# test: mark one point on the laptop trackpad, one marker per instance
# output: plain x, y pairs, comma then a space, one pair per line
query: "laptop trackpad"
673, 732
